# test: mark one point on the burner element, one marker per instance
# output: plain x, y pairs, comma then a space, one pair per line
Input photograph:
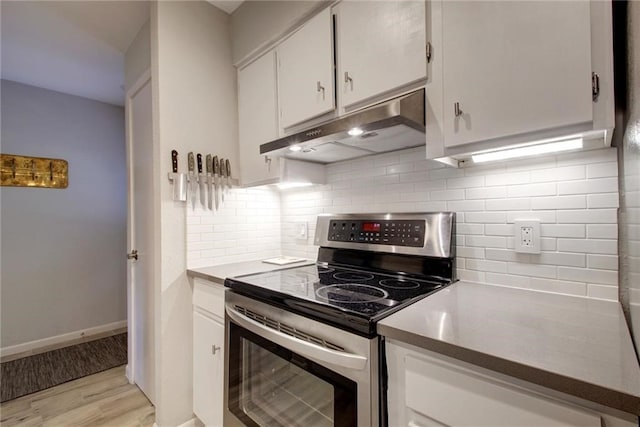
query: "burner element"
353, 276
351, 293
399, 284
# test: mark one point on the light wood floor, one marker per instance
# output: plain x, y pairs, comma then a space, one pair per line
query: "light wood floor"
103, 399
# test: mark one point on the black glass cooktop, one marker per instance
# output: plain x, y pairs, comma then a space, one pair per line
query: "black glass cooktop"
349, 298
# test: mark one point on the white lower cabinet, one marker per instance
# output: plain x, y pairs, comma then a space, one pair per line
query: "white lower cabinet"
208, 353
427, 390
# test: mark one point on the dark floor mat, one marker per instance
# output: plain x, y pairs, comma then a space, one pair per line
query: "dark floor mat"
41, 371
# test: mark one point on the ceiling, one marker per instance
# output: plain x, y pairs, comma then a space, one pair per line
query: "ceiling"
75, 47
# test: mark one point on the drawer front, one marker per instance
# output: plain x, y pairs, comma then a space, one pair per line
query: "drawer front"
209, 296
452, 396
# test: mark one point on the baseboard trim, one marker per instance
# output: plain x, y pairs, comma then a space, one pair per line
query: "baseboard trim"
51, 343
190, 423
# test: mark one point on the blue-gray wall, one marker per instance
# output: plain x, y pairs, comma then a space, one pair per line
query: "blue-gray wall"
63, 250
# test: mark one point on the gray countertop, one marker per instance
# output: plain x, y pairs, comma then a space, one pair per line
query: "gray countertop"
218, 273
575, 345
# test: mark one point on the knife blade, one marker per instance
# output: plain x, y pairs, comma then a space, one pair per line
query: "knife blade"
178, 179
228, 170
192, 178
223, 175
201, 180
209, 166
216, 173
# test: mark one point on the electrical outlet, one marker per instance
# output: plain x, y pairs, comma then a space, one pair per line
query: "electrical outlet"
302, 230
527, 236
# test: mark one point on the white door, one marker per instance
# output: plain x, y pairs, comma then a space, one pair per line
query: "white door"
208, 369
140, 306
305, 72
381, 47
514, 68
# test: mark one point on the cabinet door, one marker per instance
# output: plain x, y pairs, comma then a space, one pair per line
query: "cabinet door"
258, 119
381, 47
208, 370
305, 71
514, 68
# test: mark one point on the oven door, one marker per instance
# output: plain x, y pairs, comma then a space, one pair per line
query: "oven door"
276, 378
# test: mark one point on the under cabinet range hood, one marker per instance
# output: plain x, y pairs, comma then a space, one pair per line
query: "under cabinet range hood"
392, 125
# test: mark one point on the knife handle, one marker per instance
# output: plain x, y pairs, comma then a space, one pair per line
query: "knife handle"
190, 161
174, 161
209, 163
216, 165
228, 169
223, 168
199, 157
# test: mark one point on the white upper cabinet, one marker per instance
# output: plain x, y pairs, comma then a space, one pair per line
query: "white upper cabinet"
514, 72
514, 67
305, 72
381, 47
258, 119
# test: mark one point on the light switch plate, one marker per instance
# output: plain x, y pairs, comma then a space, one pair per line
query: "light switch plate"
526, 233
301, 230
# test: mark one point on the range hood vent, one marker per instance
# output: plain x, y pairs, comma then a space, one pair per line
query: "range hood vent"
389, 126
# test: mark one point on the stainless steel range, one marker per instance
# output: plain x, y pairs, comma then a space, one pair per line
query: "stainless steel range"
302, 343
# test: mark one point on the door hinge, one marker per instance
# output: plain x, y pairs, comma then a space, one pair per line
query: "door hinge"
595, 86
428, 52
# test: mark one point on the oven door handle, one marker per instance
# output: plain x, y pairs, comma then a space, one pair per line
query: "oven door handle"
303, 348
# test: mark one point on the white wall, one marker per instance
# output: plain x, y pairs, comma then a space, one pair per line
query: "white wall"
574, 195
194, 96
63, 263
630, 179
246, 227
256, 24
137, 58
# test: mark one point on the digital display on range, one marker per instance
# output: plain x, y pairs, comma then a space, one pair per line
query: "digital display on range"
371, 226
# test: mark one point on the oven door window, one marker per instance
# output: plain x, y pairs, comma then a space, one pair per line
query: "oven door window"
272, 386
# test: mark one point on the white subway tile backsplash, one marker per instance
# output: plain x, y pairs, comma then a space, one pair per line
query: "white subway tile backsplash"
559, 202
602, 292
486, 193
573, 195
508, 178
606, 277
485, 241
602, 170
559, 286
593, 246
531, 190
603, 262
486, 266
513, 204
566, 173
604, 200
589, 186
593, 216
533, 270
602, 231
562, 230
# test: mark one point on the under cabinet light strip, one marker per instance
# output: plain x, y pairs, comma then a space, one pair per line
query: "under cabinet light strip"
529, 150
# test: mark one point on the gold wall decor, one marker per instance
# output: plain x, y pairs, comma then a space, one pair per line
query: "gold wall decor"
21, 171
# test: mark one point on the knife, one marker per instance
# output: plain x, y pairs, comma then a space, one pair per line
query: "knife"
223, 175
178, 179
201, 180
192, 178
228, 170
216, 173
209, 166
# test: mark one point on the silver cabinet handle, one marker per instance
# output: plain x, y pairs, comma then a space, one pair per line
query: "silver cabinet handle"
348, 79
456, 109
215, 349
303, 348
133, 254
320, 88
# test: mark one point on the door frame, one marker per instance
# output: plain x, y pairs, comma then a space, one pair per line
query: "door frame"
142, 81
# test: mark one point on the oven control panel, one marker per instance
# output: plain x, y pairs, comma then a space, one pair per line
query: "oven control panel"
378, 232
